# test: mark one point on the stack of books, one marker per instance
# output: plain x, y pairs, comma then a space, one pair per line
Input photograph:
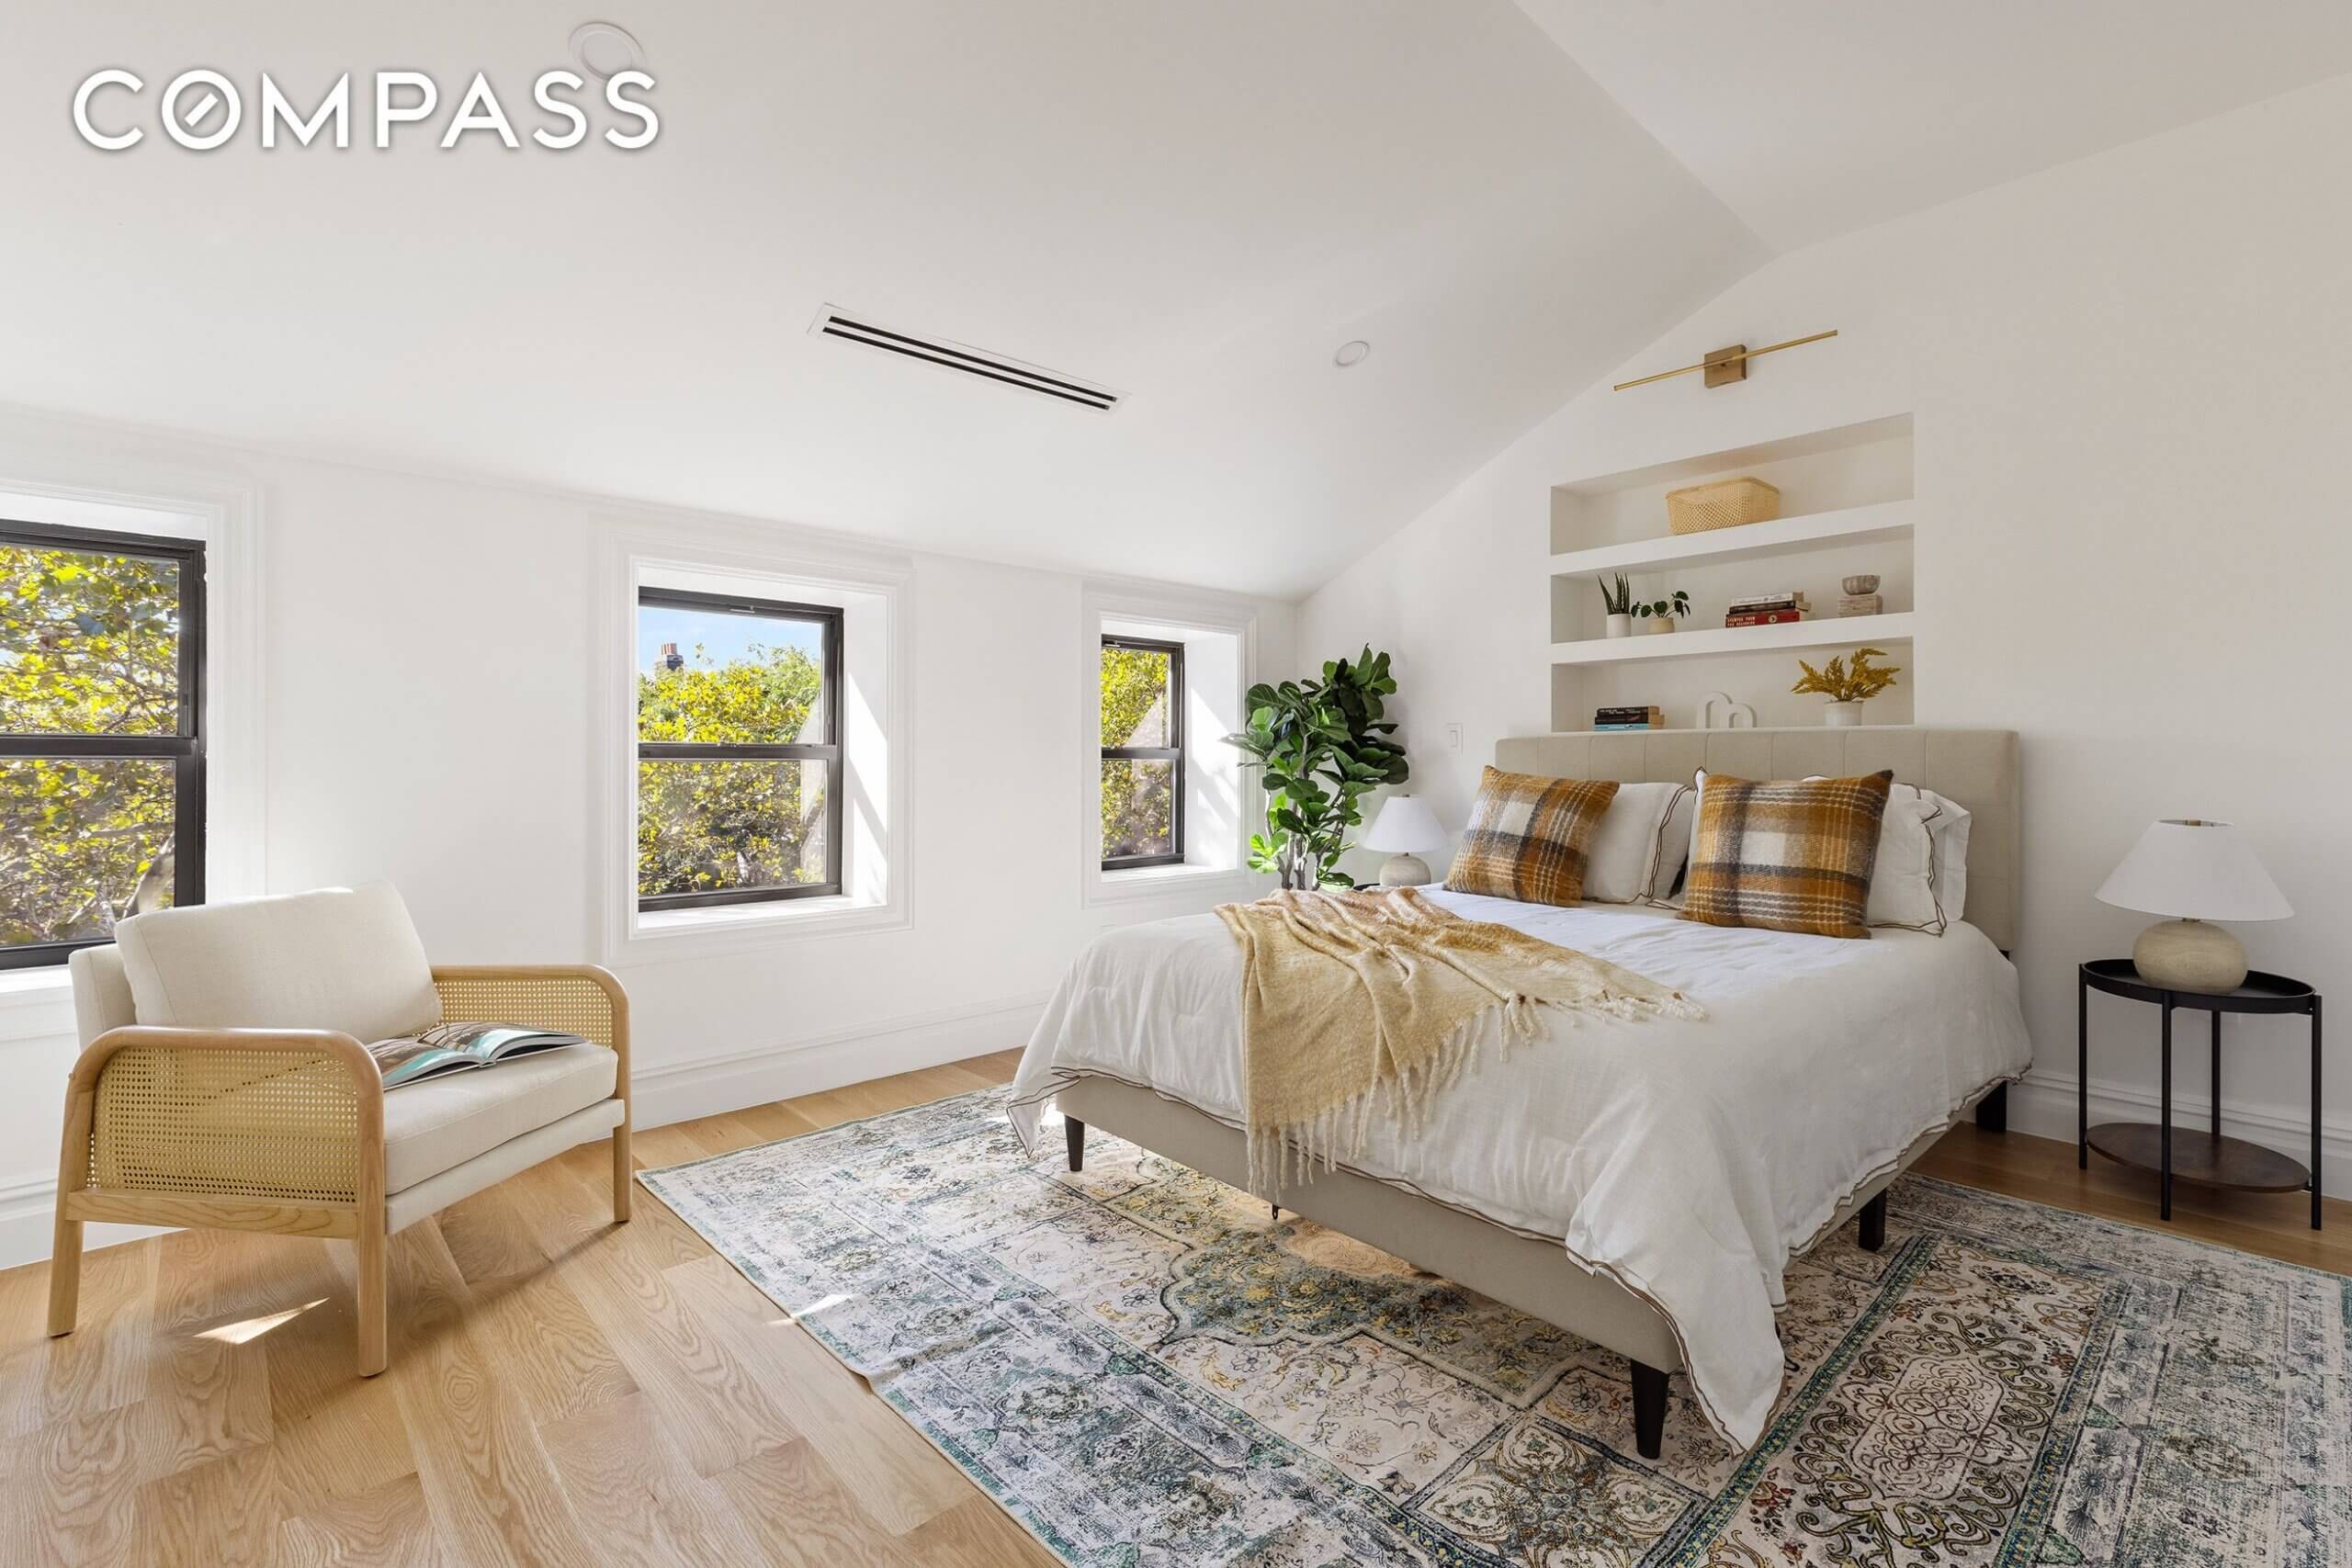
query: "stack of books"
1629, 718
1861, 605
1768, 609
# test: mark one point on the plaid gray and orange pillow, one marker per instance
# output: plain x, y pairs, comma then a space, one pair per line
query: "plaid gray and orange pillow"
1786, 857
1527, 836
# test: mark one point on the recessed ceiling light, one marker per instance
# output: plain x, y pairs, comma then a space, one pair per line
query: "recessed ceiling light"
1352, 352
606, 50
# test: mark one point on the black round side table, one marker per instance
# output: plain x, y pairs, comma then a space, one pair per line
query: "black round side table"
2207, 1159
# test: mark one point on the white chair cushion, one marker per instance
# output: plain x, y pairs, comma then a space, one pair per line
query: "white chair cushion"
342, 958
443, 1122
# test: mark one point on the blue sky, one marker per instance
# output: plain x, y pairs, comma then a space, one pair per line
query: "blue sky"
724, 637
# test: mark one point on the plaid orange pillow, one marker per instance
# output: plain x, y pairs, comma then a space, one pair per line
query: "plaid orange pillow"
1528, 837
1786, 857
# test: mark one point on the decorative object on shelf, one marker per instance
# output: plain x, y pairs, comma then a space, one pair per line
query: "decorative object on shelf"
1721, 503
1861, 596
1320, 746
2194, 871
1735, 716
1847, 686
1404, 826
2208, 1158
1635, 717
1661, 612
1618, 599
1724, 365
1768, 609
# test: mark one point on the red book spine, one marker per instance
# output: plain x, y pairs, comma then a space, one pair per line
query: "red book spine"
1764, 618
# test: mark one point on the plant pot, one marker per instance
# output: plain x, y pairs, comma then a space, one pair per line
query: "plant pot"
1620, 625
1840, 716
1661, 623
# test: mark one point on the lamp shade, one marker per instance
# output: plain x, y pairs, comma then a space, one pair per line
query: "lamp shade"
2196, 870
1404, 826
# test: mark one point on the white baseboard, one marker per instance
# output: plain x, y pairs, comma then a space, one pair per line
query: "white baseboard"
2043, 1104
672, 1091
680, 1091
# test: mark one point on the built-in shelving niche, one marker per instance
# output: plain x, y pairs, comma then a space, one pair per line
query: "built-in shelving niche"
1846, 507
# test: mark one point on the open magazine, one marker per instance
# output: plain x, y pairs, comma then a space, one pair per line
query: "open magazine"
454, 1047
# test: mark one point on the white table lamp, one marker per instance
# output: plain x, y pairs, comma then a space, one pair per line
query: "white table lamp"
1403, 826
2195, 872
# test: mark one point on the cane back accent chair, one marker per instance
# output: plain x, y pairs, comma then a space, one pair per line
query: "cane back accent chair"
286, 1127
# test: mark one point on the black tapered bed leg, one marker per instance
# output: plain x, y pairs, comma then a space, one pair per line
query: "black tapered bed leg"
1873, 1216
1649, 1410
1993, 1111
1074, 1134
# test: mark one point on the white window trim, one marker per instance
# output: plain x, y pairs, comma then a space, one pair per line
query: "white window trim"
228, 510
1124, 601
637, 542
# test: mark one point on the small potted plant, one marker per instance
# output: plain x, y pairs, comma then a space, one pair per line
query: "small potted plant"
1661, 614
1618, 599
1848, 687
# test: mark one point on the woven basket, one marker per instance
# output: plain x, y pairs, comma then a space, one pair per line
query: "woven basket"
1723, 504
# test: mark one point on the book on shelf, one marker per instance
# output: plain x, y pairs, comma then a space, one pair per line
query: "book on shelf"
1613, 729
1764, 618
1768, 601
1628, 715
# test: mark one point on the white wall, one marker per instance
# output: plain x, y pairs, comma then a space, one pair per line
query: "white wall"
2131, 377
429, 658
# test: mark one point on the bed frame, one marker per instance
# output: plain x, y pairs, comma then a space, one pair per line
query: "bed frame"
1978, 767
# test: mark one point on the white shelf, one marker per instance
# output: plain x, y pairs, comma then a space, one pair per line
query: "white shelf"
1855, 629
1852, 525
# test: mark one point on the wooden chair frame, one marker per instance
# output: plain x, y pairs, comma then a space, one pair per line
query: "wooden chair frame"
213, 1201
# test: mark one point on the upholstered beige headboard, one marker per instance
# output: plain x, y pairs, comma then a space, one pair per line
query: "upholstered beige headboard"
1978, 767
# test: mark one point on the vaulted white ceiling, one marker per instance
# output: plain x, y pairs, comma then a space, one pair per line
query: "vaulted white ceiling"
1193, 203
1813, 118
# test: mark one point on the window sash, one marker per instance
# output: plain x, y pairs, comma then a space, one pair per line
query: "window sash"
185, 748
1172, 753
829, 618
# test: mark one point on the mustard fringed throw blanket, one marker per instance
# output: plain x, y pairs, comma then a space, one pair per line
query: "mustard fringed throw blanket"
1348, 997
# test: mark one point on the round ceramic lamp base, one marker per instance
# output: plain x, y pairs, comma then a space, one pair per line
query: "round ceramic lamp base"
1403, 871
2189, 955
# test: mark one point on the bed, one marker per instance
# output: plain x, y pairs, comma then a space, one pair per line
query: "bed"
1641, 1184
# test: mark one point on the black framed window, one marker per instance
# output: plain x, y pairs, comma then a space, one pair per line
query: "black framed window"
101, 734
739, 750
1143, 752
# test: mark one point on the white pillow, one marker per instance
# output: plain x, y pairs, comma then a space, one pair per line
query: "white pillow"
1619, 862
1674, 840
342, 958
1903, 878
1950, 829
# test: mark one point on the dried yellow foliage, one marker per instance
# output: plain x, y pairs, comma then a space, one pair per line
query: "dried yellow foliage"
1841, 684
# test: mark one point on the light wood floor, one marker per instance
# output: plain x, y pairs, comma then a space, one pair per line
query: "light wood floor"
563, 1390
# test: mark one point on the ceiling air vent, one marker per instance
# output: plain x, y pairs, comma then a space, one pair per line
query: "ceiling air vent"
947, 355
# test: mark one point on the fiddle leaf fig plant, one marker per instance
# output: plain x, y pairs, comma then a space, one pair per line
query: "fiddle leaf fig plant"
1320, 746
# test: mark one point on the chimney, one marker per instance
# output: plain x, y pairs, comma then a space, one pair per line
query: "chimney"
670, 659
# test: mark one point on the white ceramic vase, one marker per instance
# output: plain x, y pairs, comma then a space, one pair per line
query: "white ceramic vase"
1620, 625
1841, 715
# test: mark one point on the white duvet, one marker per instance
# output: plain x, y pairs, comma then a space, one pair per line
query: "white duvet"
1689, 1160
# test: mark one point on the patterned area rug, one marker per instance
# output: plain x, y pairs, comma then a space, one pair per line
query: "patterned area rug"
1144, 1368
